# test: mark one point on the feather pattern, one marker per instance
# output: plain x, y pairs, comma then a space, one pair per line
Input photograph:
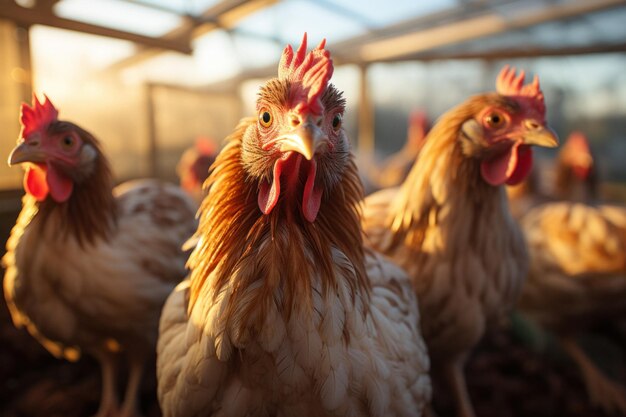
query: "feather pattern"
449, 224
454, 235
88, 267
578, 268
577, 280
72, 295
301, 306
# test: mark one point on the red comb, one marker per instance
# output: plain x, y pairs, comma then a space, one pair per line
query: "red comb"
204, 145
578, 142
37, 117
418, 118
312, 71
508, 84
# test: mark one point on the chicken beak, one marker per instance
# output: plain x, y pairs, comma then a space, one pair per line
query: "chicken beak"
307, 139
26, 152
541, 136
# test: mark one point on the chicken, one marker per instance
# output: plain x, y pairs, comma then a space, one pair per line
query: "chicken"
285, 313
88, 267
193, 166
526, 194
577, 280
393, 170
576, 173
449, 224
575, 179
577, 277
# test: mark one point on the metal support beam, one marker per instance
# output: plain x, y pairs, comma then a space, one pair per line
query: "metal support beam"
447, 23
224, 14
486, 24
527, 52
422, 22
37, 16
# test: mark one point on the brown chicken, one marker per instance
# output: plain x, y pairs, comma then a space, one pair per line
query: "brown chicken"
526, 195
577, 277
575, 179
193, 166
393, 170
285, 313
449, 224
88, 267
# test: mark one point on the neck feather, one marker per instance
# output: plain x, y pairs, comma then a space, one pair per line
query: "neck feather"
90, 212
442, 181
241, 248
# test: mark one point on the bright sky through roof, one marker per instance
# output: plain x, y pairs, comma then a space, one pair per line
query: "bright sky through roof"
194, 7
121, 15
219, 54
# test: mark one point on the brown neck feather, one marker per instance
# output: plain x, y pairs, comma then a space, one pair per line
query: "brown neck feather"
240, 247
91, 210
443, 175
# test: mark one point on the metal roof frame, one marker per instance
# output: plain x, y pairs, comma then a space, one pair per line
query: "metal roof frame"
472, 28
421, 38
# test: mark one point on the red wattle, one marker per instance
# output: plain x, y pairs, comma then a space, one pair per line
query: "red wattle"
60, 186
510, 167
290, 166
35, 181
268, 194
524, 165
312, 196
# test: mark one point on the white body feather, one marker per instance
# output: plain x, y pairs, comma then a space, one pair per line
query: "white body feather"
468, 271
108, 294
578, 264
301, 366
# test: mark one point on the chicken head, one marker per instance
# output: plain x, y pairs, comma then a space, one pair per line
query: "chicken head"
57, 154
297, 149
505, 126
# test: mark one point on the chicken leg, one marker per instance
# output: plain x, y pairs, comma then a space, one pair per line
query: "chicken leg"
108, 400
603, 392
130, 407
455, 378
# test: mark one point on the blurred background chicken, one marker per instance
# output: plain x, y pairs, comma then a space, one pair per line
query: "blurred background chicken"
576, 173
449, 223
527, 194
393, 170
285, 312
88, 267
573, 176
193, 166
577, 279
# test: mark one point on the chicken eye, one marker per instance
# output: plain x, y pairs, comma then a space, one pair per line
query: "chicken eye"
265, 118
67, 141
494, 120
337, 121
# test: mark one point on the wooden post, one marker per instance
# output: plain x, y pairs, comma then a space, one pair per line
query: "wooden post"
366, 143
22, 35
15, 88
152, 154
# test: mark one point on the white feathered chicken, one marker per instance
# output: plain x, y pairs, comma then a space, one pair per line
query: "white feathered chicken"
285, 314
88, 266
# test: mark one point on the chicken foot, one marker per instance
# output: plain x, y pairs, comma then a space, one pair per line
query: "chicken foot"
603, 392
455, 379
130, 407
108, 400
